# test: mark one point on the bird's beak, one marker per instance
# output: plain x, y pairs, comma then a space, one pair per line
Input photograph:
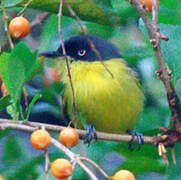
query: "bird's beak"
52, 54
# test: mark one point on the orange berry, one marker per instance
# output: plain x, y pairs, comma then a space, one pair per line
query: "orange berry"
148, 4
40, 139
123, 175
69, 137
19, 27
61, 168
4, 90
54, 74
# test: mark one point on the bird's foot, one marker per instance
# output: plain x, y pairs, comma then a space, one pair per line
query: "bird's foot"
90, 134
139, 137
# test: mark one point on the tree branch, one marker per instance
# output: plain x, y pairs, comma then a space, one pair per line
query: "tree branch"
84, 31
24, 8
32, 126
163, 74
73, 157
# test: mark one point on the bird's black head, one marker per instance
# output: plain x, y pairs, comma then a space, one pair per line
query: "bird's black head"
79, 48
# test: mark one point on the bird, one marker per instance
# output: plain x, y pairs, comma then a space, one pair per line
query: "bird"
107, 91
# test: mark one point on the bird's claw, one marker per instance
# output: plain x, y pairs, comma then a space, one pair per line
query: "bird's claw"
139, 137
90, 134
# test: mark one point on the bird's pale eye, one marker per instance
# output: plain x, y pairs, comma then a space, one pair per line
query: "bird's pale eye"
81, 52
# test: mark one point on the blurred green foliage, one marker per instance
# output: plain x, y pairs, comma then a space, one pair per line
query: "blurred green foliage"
118, 22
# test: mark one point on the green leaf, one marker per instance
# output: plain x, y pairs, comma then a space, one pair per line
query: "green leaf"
38, 68
16, 69
4, 102
104, 3
102, 12
35, 98
50, 26
69, 28
123, 12
98, 29
86, 10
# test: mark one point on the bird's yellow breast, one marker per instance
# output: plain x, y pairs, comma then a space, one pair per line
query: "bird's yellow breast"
110, 104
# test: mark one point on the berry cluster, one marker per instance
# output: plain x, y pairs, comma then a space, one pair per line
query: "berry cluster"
41, 139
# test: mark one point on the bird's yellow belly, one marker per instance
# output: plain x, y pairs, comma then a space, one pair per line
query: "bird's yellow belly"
110, 104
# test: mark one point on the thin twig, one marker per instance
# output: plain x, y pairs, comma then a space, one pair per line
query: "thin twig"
5, 17
39, 19
87, 170
67, 63
155, 13
32, 126
47, 162
73, 157
73, 13
96, 166
24, 8
73, 166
